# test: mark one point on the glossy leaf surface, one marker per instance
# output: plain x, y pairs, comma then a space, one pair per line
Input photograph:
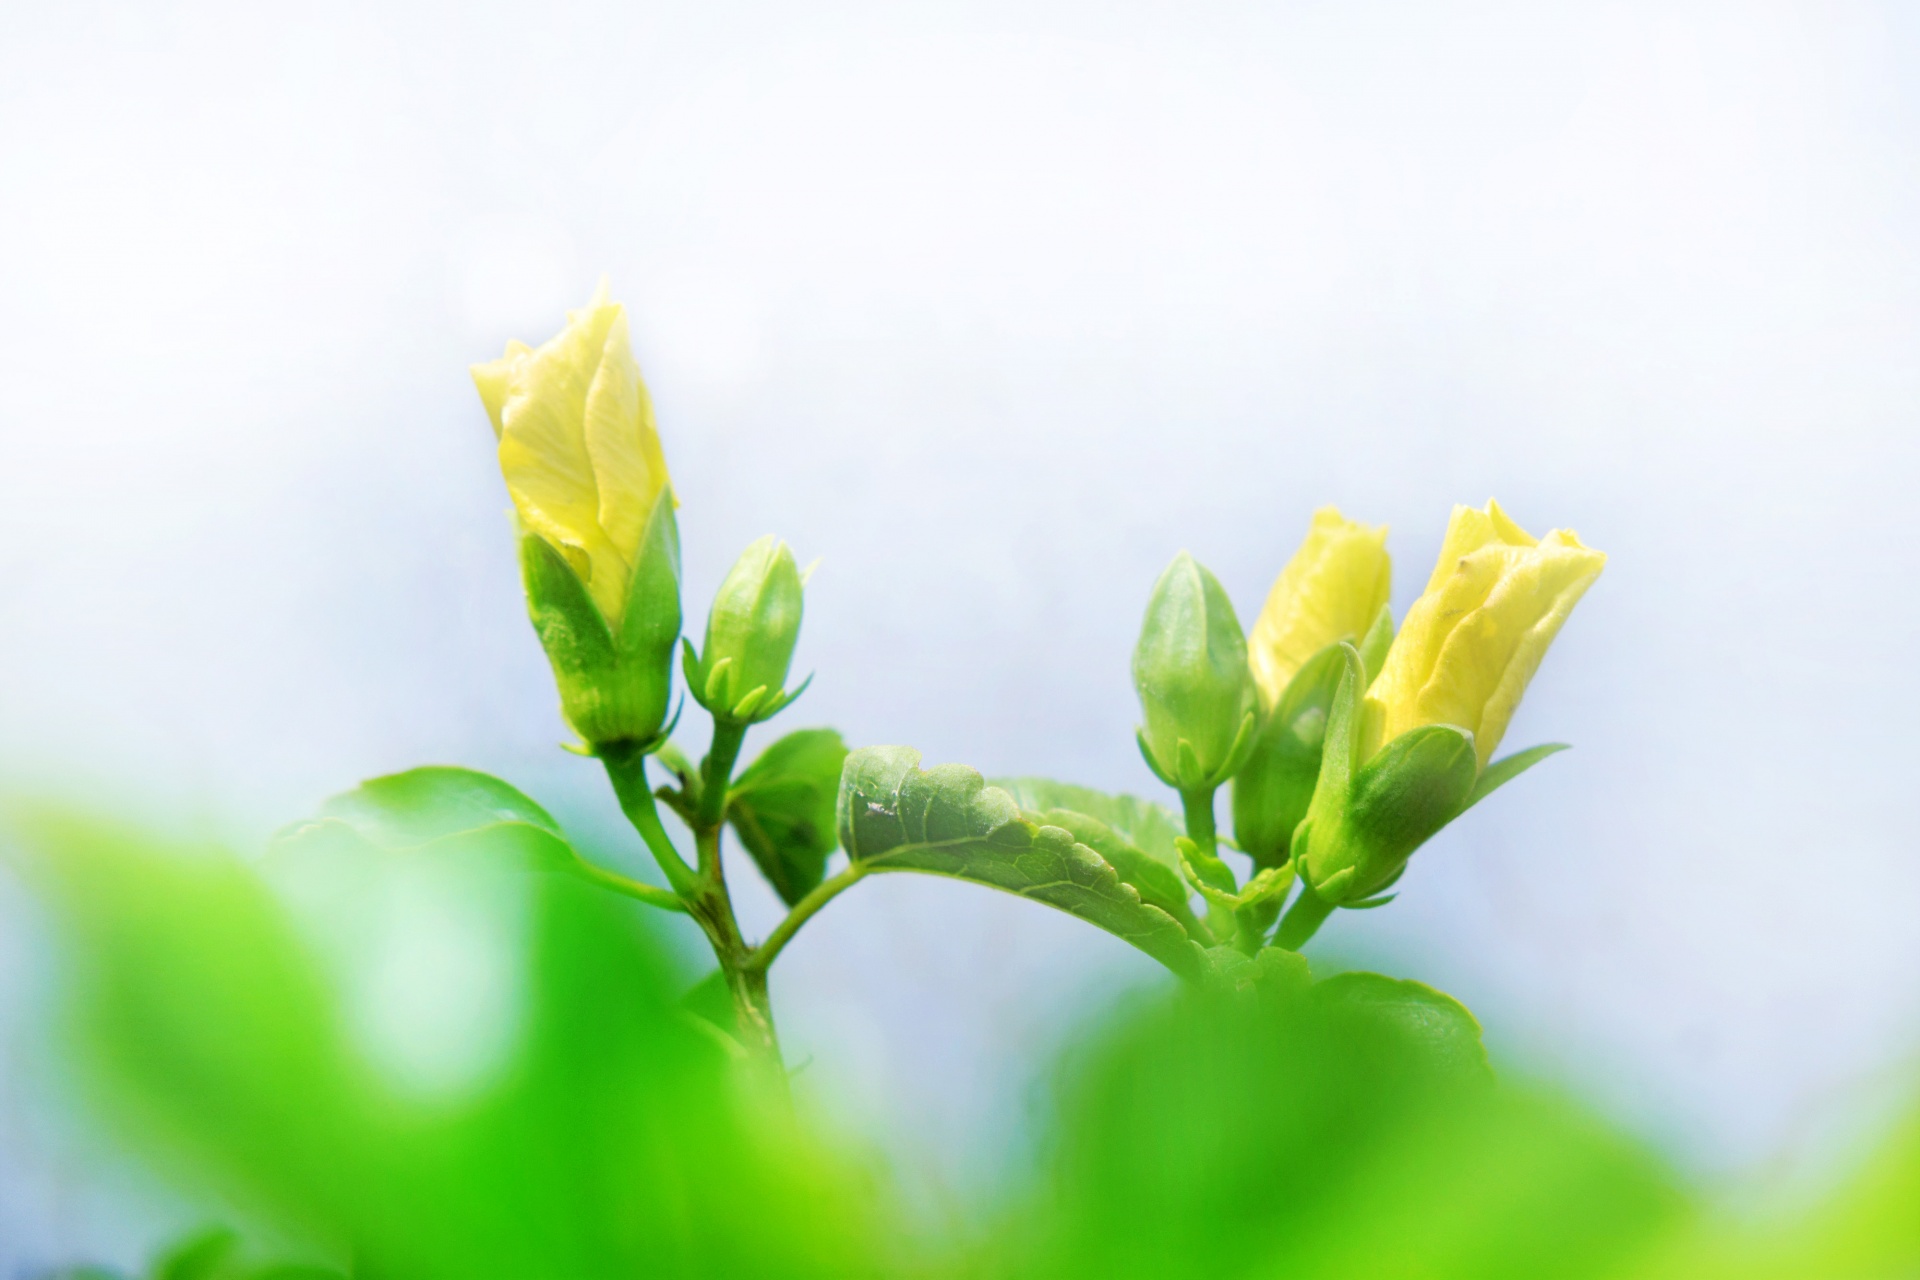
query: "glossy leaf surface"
782, 809
896, 816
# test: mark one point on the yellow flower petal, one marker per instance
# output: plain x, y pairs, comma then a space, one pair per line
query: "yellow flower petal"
578, 446
495, 381
1470, 644
622, 441
1330, 591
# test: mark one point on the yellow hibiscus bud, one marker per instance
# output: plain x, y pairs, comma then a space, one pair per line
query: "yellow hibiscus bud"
599, 548
1332, 590
1473, 640
578, 446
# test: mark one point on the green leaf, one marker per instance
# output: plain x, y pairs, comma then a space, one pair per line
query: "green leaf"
782, 809
204, 1255
1137, 836
222, 1034
1156, 882
1434, 1020
895, 816
403, 810
438, 808
1272, 974
1147, 826
1507, 768
444, 811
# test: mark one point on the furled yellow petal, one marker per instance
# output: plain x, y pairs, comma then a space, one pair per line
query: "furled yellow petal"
1330, 591
1551, 584
622, 441
578, 446
1472, 642
495, 381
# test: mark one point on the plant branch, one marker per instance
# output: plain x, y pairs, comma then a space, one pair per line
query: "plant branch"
1197, 805
1303, 919
652, 895
626, 767
718, 768
826, 891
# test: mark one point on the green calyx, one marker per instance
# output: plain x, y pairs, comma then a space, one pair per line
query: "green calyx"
741, 671
1366, 819
615, 679
1190, 670
1273, 790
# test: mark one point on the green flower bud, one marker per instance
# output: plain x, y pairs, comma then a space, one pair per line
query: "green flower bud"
1190, 670
741, 672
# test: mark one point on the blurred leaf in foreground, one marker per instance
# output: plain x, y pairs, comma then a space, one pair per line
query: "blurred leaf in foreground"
1344, 1128
602, 1134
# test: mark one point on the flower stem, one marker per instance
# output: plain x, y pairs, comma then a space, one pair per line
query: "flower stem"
1308, 912
1198, 808
826, 891
626, 767
701, 893
718, 772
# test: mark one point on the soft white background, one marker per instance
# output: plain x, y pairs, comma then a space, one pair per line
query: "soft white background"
994, 308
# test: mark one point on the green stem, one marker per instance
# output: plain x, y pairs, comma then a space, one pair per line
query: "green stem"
652, 895
826, 891
1198, 808
1308, 912
713, 908
626, 767
717, 772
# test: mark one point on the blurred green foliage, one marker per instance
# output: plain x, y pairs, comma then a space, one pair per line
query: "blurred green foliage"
449, 1057
221, 1039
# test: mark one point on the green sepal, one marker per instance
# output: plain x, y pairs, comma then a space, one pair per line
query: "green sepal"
1146, 753
1374, 645
1507, 768
1261, 901
1416, 785
895, 816
615, 686
1364, 823
1252, 908
1272, 790
1206, 872
1324, 859
782, 808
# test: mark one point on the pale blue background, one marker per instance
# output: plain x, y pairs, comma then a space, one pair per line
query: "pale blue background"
994, 308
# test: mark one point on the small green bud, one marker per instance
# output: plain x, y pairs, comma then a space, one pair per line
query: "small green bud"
1190, 670
741, 672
